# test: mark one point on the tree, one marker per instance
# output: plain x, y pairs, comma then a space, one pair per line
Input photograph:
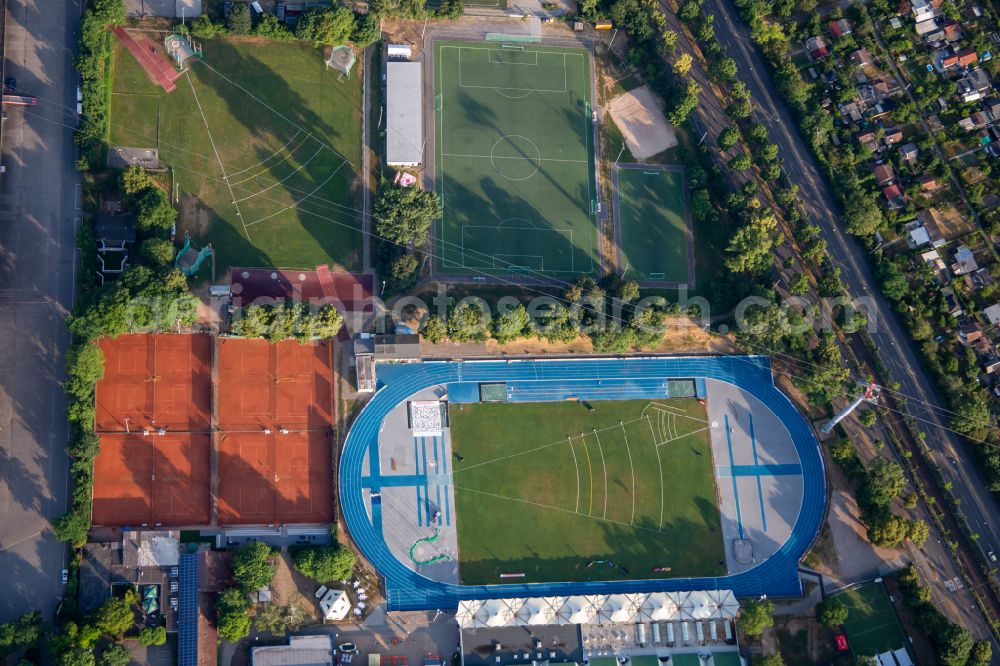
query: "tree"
729, 137
862, 215
153, 211
770, 660
588, 9
116, 616
134, 180
76, 657
917, 532
981, 654
433, 330
84, 367
252, 567
233, 609
749, 248
667, 40
884, 484
203, 28
403, 272
886, 530
740, 108
116, 655
280, 619
972, 416
404, 214
366, 29
22, 632
157, 251
798, 284
682, 65
511, 324
723, 69
740, 162
331, 26
72, 526
469, 322
451, 9
831, 612
756, 616
325, 564
763, 328
954, 644
238, 21
152, 636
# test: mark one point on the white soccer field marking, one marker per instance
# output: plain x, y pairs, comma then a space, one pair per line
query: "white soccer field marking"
605, 465
632, 467
659, 465
570, 442
279, 182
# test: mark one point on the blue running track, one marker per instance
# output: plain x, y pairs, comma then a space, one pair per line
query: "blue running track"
547, 380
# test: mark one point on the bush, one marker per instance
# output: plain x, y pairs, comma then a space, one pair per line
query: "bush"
755, 617
203, 28
93, 62
153, 636
831, 612
332, 26
366, 29
239, 21
116, 655
325, 564
157, 252
153, 211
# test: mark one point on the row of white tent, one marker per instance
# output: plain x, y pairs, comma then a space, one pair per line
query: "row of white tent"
599, 609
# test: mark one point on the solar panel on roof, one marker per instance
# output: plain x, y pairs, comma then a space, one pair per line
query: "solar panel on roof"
187, 619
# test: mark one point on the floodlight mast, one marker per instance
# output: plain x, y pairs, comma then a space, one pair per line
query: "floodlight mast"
870, 394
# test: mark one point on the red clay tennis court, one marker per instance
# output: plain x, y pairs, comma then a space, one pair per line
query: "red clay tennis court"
285, 385
155, 381
275, 478
152, 480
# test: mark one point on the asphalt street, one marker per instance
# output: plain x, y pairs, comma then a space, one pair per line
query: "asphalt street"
39, 195
893, 342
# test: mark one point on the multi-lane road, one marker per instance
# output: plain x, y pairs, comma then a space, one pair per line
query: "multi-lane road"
39, 200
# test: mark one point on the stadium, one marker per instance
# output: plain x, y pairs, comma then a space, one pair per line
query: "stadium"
475, 480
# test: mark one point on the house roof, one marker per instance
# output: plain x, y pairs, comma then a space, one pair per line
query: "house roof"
884, 173
927, 182
892, 192
840, 28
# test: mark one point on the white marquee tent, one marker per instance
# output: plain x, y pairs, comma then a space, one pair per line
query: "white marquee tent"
599, 609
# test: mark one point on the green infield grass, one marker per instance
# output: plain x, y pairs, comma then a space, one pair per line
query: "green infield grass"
262, 141
514, 160
566, 491
872, 626
651, 207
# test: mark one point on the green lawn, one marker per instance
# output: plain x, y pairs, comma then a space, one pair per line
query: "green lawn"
872, 626
539, 491
651, 210
282, 141
515, 162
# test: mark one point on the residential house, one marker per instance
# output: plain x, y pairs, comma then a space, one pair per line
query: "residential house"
965, 261
851, 111
973, 122
934, 123
817, 47
892, 137
894, 196
895, 22
921, 10
927, 182
909, 153
992, 314
970, 331
884, 174
980, 80
952, 303
839, 28
920, 235
991, 105
887, 87
952, 32
927, 27
979, 279
868, 140
862, 57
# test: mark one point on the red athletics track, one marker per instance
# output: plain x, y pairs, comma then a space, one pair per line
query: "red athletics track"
159, 69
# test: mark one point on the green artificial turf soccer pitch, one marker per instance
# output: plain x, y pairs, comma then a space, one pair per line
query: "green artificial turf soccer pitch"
538, 492
653, 230
514, 160
871, 626
287, 132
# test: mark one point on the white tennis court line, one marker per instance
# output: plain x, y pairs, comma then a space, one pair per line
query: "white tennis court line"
287, 143
268, 168
276, 183
216, 151
296, 204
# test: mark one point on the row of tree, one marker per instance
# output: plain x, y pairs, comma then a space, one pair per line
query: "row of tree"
293, 320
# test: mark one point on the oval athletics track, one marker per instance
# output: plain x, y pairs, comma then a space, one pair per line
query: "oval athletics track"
408, 590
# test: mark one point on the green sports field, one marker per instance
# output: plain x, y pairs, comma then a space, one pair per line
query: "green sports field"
546, 489
262, 143
653, 228
871, 626
514, 160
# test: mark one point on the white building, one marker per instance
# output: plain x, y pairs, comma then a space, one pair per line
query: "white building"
404, 116
335, 605
399, 51
300, 651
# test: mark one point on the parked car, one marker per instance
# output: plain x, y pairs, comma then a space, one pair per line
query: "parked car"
65, 576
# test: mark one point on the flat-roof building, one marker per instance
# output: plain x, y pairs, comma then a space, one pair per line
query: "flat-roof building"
404, 122
300, 651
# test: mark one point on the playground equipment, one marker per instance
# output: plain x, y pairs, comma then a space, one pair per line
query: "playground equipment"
189, 260
181, 48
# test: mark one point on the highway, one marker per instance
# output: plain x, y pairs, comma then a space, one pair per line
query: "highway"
39, 199
890, 337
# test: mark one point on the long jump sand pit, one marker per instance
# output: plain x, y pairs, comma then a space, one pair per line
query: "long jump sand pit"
640, 119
